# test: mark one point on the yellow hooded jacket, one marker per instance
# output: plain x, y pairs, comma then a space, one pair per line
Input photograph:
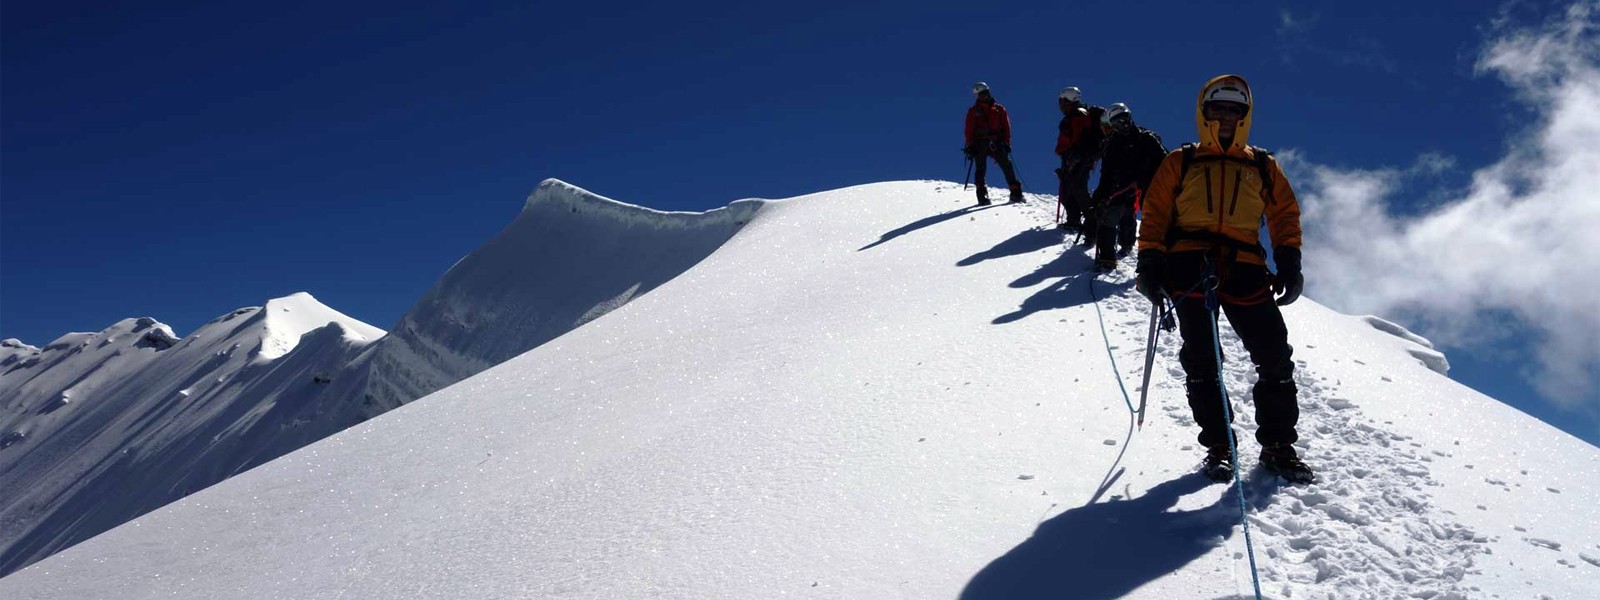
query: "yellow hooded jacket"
1221, 201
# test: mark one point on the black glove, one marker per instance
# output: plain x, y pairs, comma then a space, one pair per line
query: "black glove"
969, 150
1152, 270
1003, 148
1288, 283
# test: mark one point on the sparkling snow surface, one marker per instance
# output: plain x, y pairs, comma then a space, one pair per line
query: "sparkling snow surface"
883, 392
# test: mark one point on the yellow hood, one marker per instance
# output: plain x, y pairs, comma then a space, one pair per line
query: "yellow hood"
1208, 129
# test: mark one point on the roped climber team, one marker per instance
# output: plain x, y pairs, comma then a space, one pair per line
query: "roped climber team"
1203, 206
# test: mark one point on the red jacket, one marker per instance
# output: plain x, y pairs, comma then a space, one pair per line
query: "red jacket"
1073, 126
988, 122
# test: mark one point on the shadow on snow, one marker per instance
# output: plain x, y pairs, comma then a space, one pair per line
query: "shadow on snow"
1109, 549
924, 223
1026, 242
1073, 289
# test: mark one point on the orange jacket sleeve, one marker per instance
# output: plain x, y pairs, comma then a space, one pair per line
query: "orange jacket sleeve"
1158, 203
1283, 213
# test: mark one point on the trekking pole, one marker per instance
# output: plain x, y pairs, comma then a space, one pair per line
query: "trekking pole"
1015, 169
1159, 319
1061, 200
969, 174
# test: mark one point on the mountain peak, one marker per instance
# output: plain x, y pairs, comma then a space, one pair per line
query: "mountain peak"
290, 317
536, 280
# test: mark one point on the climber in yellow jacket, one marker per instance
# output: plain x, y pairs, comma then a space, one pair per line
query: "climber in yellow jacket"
1202, 216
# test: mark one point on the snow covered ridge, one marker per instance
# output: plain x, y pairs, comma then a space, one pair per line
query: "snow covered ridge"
883, 392
569, 258
168, 416
137, 414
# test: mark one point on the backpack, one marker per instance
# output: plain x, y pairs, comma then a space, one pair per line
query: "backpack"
1157, 138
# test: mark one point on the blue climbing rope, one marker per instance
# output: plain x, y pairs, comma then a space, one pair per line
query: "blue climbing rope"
1213, 305
1107, 337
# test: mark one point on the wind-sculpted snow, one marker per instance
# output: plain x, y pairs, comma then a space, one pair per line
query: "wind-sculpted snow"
13, 351
100, 428
1424, 348
96, 429
882, 392
570, 257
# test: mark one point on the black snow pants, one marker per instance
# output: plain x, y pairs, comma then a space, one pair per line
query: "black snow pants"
985, 151
1116, 226
1245, 294
1074, 194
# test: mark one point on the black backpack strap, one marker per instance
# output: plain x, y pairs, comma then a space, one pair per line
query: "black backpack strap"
1183, 167
1265, 171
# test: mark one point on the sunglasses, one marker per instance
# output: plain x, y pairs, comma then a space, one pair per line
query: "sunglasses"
1225, 110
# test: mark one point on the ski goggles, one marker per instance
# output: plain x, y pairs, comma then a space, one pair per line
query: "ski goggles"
1225, 110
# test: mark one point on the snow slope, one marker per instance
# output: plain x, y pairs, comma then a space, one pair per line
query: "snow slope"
882, 392
517, 291
535, 281
102, 427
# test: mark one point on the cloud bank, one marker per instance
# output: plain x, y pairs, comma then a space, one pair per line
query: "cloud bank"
1519, 251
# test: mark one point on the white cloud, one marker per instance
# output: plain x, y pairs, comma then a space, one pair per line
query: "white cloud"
1290, 24
1433, 163
1522, 243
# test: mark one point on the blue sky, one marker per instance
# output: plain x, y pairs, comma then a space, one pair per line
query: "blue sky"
181, 161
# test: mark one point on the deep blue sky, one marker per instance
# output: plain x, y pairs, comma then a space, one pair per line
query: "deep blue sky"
179, 161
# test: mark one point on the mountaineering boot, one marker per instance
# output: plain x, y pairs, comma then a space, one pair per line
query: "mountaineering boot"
1016, 194
1283, 461
1218, 465
1105, 263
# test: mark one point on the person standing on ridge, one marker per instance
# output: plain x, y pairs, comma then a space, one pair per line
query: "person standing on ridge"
1129, 157
1078, 145
1198, 245
988, 134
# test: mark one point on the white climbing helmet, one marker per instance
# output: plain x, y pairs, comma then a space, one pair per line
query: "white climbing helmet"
1117, 110
1072, 94
979, 88
1228, 90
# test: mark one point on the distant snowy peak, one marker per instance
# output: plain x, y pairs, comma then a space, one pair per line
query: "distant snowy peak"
535, 281
12, 351
74, 358
176, 414
119, 331
270, 331
289, 318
